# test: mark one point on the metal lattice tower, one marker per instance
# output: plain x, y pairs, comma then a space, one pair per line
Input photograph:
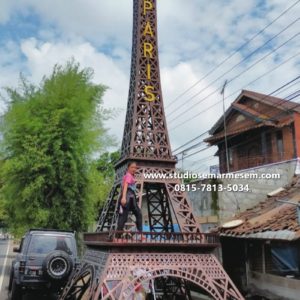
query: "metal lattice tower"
167, 262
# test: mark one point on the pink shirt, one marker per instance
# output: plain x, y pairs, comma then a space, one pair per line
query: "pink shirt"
130, 181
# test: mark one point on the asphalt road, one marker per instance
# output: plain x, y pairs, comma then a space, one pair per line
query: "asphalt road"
6, 256
5, 261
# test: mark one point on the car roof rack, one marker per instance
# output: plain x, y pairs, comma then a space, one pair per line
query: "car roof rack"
51, 230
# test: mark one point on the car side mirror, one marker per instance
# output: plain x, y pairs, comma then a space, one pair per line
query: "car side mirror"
16, 249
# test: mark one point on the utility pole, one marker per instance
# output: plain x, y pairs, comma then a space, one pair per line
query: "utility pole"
182, 157
225, 129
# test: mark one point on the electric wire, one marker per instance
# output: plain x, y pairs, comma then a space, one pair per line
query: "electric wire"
277, 91
250, 83
233, 53
235, 77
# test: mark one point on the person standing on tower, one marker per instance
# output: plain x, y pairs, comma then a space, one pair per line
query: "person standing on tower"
128, 200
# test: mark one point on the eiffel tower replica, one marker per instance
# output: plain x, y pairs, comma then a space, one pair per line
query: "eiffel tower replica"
168, 263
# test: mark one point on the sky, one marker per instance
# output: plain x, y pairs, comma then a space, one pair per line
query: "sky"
195, 36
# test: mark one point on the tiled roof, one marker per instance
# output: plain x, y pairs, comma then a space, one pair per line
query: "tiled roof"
220, 135
279, 103
270, 219
258, 115
270, 100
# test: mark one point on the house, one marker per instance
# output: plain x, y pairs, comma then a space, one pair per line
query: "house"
261, 246
260, 129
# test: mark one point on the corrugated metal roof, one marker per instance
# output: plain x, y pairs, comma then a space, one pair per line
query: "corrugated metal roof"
286, 235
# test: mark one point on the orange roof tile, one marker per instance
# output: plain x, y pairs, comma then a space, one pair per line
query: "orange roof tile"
270, 219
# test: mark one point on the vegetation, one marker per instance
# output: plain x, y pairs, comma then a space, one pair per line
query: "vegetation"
102, 177
50, 133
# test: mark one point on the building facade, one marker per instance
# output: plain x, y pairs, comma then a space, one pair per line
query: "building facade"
259, 130
262, 252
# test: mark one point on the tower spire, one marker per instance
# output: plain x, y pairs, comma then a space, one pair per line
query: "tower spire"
145, 133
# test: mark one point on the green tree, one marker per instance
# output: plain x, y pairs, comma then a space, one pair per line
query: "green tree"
2, 208
50, 134
106, 164
102, 177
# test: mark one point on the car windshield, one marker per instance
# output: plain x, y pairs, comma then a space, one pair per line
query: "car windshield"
43, 244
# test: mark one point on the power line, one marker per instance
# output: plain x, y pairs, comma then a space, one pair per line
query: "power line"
210, 157
237, 76
205, 166
233, 53
293, 95
192, 154
190, 148
289, 86
288, 98
251, 82
277, 91
239, 63
192, 140
267, 131
236, 145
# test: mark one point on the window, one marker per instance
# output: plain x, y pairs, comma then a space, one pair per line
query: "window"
43, 244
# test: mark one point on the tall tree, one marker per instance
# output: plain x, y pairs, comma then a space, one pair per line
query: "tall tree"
50, 134
102, 178
2, 208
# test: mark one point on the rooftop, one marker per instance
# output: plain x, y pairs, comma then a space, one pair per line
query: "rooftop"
270, 219
267, 117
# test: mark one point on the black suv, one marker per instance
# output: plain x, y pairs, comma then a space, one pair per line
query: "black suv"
45, 260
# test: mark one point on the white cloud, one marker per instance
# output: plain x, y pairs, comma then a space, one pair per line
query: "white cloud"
99, 21
40, 58
194, 36
5, 10
10, 67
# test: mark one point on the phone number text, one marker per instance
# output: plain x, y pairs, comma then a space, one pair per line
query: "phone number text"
212, 187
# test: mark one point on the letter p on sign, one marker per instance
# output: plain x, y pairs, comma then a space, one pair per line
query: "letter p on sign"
148, 5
